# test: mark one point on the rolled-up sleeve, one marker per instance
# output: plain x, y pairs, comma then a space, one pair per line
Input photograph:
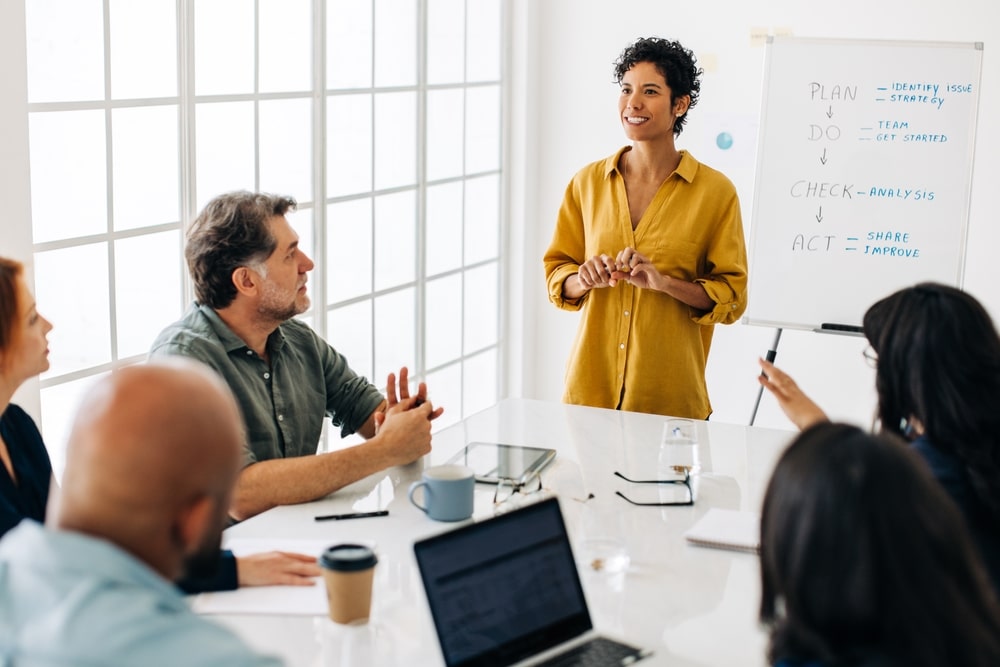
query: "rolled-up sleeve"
351, 398
567, 251
725, 279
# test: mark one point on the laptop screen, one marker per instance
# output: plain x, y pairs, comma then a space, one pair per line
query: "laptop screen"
503, 589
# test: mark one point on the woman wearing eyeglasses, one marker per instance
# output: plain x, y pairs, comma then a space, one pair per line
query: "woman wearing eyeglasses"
26, 481
937, 377
865, 562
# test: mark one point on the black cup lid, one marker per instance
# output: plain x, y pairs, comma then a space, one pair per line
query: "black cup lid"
348, 558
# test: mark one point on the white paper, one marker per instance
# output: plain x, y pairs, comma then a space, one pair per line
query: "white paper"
277, 600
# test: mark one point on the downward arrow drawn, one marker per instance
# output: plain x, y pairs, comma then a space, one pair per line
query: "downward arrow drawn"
819, 216
823, 159
829, 111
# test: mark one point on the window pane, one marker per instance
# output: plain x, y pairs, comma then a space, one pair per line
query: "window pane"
395, 140
444, 320
81, 334
485, 26
395, 42
349, 43
143, 48
444, 390
395, 239
482, 218
145, 166
286, 148
301, 221
143, 306
395, 333
223, 47
349, 144
59, 408
350, 333
285, 45
479, 382
482, 129
481, 306
68, 174
444, 228
348, 249
444, 133
446, 41
225, 149
65, 50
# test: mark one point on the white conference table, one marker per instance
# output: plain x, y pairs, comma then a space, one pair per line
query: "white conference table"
691, 605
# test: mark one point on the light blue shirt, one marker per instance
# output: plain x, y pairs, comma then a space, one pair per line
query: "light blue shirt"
70, 599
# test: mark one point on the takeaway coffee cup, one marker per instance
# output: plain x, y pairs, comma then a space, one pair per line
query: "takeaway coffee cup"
348, 570
448, 492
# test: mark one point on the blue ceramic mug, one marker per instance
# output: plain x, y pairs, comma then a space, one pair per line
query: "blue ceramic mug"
448, 492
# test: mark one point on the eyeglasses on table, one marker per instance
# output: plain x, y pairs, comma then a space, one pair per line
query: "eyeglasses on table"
686, 481
511, 494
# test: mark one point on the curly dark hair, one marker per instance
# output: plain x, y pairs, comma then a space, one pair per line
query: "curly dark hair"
230, 232
677, 64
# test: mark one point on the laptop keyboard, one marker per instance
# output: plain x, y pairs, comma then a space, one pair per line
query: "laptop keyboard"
598, 652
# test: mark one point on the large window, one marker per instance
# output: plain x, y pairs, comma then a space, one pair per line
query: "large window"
381, 117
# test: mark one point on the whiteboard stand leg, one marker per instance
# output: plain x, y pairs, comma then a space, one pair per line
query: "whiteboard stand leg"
771, 355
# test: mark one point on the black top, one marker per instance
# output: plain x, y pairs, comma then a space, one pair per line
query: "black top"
27, 498
30, 460
952, 475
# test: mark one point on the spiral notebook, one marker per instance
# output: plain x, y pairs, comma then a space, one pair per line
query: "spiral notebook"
726, 529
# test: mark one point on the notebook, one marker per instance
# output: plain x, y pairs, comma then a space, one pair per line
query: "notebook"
726, 529
505, 591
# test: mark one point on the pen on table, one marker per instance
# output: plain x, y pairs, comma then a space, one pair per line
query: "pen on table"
351, 515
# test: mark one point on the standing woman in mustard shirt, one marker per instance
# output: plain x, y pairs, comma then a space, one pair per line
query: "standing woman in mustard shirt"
649, 245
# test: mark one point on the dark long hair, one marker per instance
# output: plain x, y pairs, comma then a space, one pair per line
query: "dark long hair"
939, 361
865, 559
10, 310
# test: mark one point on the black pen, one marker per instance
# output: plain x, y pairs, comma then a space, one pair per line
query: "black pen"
352, 515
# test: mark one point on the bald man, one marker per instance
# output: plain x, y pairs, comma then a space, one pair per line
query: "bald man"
151, 462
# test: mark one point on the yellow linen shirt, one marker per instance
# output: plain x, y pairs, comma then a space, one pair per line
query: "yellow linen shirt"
639, 349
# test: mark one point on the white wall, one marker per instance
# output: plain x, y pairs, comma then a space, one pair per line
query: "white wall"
15, 193
570, 114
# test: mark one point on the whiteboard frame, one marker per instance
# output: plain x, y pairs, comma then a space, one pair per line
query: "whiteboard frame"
966, 203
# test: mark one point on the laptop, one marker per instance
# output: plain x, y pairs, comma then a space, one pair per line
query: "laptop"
506, 591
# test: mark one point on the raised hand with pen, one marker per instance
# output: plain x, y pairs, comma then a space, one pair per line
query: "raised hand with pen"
799, 408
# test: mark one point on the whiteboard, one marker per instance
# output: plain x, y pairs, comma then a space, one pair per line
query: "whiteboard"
863, 177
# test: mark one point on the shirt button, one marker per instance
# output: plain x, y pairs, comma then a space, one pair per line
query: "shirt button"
621, 346
281, 418
626, 313
267, 376
249, 353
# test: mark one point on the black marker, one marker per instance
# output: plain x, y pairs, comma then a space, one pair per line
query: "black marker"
352, 515
846, 329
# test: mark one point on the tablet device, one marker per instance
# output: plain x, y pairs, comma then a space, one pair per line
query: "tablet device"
493, 461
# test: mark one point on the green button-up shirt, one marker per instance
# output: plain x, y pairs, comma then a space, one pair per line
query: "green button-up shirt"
283, 403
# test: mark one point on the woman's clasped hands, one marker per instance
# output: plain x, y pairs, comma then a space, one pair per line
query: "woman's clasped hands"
628, 265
